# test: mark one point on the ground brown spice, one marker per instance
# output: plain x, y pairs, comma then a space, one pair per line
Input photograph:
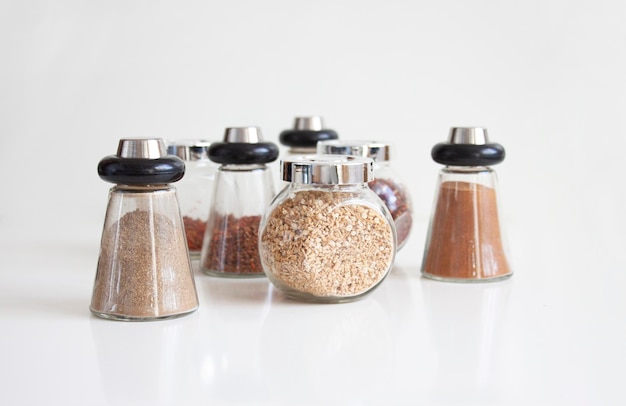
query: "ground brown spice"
232, 245
465, 240
143, 269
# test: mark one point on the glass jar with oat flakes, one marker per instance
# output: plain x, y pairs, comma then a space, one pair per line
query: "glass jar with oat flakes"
386, 183
195, 189
327, 237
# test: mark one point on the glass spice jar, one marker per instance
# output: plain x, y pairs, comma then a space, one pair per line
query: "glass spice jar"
243, 189
386, 183
465, 242
195, 189
305, 134
327, 237
144, 271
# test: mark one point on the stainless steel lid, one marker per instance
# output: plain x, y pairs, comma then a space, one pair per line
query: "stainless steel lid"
468, 135
327, 169
189, 149
145, 148
313, 123
377, 151
250, 135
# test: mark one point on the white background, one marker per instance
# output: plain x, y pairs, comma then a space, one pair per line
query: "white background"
547, 78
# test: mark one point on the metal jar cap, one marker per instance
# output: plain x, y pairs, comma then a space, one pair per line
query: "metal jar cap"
326, 169
243, 134
377, 151
314, 123
190, 150
243, 146
143, 148
468, 135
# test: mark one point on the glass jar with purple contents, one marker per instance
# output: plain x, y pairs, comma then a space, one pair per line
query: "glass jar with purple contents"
386, 183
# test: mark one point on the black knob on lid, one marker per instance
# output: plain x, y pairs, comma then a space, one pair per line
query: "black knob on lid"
243, 145
306, 133
141, 161
468, 146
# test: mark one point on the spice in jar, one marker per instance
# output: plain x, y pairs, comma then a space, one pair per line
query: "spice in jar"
316, 244
195, 189
398, 203
128, 260
233, 245
465, 242
386, 182
243, 189
327, 237
194, 231
144, 271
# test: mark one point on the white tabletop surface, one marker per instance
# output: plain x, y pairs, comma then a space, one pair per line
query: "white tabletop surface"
554, 333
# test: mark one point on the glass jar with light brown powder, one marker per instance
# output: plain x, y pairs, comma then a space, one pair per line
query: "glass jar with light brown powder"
144, 271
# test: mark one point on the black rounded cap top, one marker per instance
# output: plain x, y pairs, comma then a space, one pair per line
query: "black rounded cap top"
243, 145
138, 171
141, 162
468, 146
306, 132
243, 152
467, 154
305, 138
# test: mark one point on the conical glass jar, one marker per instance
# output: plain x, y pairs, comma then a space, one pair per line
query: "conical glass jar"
327, 237
465, 241
386, 183
242, 191
144, 271
195, 189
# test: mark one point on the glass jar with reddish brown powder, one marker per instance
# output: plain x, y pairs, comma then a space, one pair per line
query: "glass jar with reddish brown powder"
195, 190
465, 242
243, 188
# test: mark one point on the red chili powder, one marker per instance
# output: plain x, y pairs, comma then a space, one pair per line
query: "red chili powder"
465, 240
